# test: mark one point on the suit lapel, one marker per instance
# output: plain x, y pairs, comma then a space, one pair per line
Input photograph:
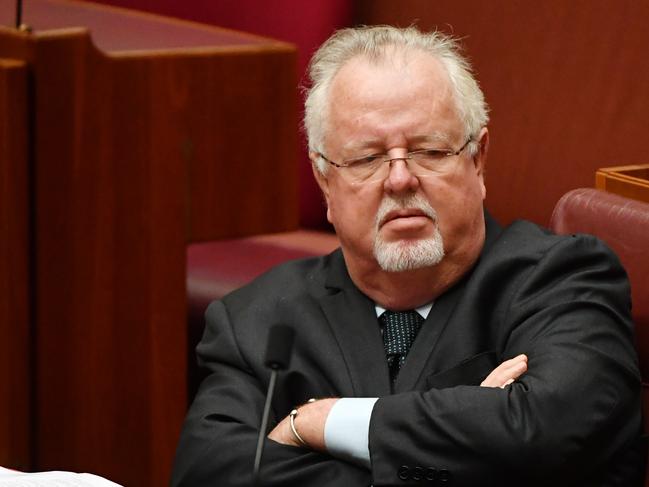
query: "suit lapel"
445, 339
353, 321
425, 353
443, 342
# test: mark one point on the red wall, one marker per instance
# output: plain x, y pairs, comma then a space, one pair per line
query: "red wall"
567, 82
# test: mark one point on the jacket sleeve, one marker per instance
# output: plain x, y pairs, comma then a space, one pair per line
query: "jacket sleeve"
219, 437
567, 417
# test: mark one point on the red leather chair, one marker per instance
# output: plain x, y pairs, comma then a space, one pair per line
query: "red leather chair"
216, 268
624, 225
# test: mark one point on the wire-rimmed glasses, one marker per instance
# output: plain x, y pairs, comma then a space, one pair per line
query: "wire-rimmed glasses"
425, 161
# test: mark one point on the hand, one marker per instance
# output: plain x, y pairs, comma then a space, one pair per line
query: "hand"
506, 373
309, 423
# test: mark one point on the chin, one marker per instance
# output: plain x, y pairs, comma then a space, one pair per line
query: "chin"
403, 256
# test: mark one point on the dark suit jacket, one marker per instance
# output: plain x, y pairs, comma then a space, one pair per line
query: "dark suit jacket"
572, 419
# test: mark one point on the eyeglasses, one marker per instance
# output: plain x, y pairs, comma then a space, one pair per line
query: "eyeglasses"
372, 167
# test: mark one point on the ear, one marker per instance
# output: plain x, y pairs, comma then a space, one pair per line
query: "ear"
321, 179
480, 159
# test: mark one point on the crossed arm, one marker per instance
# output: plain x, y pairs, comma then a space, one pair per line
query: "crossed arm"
566, 421
312, 417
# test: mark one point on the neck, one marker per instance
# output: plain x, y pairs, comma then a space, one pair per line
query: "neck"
407, 289
410, 289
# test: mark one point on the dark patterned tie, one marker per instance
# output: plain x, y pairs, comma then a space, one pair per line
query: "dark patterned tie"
399, 331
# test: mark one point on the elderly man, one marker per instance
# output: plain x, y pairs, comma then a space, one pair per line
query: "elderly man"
427, 300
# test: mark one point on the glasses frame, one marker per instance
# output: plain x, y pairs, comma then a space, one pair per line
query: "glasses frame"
407, 157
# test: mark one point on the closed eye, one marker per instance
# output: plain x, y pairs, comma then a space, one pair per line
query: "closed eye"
361, 161
430, 153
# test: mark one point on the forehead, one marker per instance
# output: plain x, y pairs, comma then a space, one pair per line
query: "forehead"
404, 95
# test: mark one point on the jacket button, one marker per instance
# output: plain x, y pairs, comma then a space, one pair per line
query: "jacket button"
431, 473
403, 472
444, 476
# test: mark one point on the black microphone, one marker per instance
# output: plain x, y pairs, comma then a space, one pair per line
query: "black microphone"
280, 346
19, 13
278, 356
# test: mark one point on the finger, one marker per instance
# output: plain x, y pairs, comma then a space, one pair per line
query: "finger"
511, 367
282, 433
506, 372
511, 364
512, 361
500, 378
512, 372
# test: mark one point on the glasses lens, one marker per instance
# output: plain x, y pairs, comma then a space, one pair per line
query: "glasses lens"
431, 159
420, 162
365, 168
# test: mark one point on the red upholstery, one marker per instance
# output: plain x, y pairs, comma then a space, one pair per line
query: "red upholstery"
624, 225
216, 268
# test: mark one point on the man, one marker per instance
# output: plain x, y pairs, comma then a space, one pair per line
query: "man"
398, 139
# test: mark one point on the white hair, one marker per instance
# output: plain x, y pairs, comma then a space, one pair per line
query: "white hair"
375, 43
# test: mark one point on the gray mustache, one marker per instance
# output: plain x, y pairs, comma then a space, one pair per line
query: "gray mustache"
414, 201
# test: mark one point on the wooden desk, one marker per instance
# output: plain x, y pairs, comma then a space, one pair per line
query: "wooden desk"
629, 181
15, 388
162, 133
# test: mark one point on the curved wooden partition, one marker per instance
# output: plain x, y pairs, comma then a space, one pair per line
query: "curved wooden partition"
15, 383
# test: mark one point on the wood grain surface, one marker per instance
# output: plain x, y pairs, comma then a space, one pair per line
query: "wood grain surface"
15, 333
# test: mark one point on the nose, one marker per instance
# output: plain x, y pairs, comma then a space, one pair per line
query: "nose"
400, 178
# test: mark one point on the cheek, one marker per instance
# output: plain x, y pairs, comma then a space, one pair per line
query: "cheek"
457, 201
352, 211
467, 187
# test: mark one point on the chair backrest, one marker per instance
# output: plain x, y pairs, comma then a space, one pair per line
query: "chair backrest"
218, 267
623, 224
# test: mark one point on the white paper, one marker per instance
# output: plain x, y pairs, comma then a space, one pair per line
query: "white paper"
11, 478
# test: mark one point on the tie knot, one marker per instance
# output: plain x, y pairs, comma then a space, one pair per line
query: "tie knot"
400, 329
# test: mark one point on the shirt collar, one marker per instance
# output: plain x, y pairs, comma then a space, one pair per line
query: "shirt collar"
422, 310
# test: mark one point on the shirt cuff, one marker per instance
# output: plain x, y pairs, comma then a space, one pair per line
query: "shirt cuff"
347, 429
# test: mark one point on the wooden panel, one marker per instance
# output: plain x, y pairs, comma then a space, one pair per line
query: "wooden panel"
248, 105
629, 181
15, 404
110, 250
138, 153
564, 82
304, 23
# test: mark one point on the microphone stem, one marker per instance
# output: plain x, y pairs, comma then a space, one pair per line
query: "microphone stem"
264, 427
19, 13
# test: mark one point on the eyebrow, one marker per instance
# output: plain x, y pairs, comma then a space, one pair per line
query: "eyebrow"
366, 144
435, 137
